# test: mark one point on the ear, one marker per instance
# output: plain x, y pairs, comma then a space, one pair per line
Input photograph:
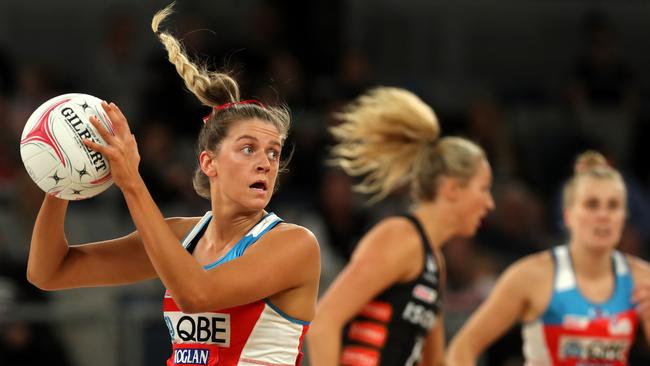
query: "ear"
207, 163
450, 189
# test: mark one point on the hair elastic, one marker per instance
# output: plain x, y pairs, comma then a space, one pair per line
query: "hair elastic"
228, 105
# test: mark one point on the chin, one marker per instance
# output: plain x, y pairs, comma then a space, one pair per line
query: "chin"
258, 204
602, 244
468, 232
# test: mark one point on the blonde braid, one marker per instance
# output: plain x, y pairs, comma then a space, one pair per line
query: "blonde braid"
197, 79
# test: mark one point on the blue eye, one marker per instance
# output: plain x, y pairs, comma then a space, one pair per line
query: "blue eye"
247, 150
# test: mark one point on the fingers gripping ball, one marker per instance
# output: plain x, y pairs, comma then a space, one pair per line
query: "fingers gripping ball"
53, 153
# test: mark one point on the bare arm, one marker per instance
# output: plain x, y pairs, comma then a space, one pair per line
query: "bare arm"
505, 306
433, 353
376, 264
641, 295
53, 264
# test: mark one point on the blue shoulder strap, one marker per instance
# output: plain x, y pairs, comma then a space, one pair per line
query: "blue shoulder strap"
267, 223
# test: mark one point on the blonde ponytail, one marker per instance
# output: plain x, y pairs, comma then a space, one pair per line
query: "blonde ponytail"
211, 88
390, 137
380, 136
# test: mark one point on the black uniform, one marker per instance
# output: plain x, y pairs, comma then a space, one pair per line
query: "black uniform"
392, 328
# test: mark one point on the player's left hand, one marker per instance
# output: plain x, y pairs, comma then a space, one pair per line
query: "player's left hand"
121, 149
641, 297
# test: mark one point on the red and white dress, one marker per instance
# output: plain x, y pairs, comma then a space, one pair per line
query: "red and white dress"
252, 334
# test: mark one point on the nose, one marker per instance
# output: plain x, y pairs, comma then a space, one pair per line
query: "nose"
490, 202
603, 214
263, 164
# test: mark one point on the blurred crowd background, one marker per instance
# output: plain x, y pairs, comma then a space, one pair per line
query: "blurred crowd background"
532, 81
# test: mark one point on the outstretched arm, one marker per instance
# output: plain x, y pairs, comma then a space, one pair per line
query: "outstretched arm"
505, 306
53, 264
641, 295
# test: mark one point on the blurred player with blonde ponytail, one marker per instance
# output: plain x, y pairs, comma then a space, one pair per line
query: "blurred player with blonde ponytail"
385, 306
580, 303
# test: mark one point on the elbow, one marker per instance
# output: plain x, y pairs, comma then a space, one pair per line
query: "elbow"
323, 328
315, 335
458, 355
193, 303
39, 281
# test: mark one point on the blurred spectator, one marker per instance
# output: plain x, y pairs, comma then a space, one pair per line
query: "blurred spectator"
353, 74
36, 84
471, 275
7, 74
516, 227
600, 76
603, 92
164, 98
23, 343
286, 81
486, 126
8, 157
302, 183
162, 166
117, 64
345, 222
27, 344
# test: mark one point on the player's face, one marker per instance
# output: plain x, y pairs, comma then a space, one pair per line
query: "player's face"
476, 199
597, 215
248, 163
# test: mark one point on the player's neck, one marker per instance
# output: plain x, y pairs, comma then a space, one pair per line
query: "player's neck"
589, 262
436, 222
227, 225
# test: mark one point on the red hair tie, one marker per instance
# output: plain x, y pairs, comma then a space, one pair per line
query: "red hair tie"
228, 105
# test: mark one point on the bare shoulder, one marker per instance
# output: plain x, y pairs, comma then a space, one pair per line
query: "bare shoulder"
391, 230
526, 284
393, 238
294, 235
530, 269
639, 267
181, 225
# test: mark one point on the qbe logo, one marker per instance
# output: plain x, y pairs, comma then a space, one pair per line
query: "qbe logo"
207, 328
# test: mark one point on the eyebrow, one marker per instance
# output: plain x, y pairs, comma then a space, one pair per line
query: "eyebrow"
244, 137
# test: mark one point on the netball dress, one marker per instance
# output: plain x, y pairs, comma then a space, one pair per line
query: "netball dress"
392, 328
252, 334
576, 332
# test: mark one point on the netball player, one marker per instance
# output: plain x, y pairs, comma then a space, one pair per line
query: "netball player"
385, 306
241, 283
579, 302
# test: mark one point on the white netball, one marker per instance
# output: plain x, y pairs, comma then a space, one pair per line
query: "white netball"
53, 153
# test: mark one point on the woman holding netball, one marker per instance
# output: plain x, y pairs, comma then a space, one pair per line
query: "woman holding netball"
385, 306
226, 301
580, 303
